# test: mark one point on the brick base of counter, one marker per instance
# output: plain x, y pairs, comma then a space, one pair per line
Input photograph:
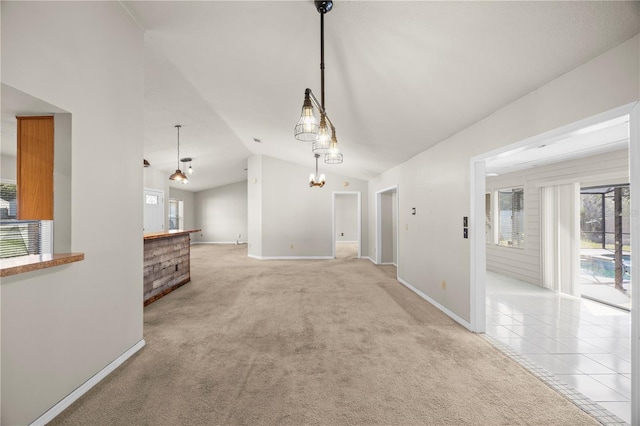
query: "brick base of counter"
166, 265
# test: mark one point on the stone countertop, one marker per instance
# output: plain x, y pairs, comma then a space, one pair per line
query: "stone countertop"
169, 234
18, 265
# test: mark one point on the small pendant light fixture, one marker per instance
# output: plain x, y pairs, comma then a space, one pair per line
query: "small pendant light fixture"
187, 160
308, 128
333, 156
178, 176
321, 146
312, 178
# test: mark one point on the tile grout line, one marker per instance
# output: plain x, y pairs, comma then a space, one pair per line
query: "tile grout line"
590, 407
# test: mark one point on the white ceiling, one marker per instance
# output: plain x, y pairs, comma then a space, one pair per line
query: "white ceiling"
606, 136
400, 76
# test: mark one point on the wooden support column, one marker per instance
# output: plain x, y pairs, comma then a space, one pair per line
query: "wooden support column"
35, 168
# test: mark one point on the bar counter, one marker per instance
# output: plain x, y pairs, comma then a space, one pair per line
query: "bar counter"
166, 262
33, 262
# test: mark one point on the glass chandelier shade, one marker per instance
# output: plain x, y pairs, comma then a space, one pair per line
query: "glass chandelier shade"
186, 160
307, 128
333, 156
320, 182
321, 146
178, 176
312, 177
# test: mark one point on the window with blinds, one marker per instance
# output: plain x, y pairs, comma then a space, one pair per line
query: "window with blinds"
488, 224
511, 217
8, 203
25, 237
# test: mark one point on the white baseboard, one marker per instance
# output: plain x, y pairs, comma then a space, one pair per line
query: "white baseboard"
86, 386
448, 312
367, 257
219, 242
290, 257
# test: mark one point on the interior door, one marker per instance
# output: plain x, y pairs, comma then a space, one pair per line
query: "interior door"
153, 200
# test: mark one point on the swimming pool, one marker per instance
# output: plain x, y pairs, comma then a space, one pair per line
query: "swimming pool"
603, 265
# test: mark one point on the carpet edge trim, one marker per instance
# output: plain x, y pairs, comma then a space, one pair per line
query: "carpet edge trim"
58, 408
584, 403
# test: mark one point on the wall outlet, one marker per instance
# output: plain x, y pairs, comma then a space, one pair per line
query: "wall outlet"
342, 234
444, 284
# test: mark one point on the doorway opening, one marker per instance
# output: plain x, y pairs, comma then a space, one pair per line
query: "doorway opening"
605, 245
347, 227
176, 214
555, 330
387, 226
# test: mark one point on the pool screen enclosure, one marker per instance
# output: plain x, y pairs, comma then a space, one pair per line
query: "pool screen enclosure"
604, 224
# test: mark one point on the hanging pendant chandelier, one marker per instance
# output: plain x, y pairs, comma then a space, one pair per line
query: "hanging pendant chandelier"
187, 160
308, 128
178, 176
316, 180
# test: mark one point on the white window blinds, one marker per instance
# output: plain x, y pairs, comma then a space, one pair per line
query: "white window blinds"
511, 217
25, 237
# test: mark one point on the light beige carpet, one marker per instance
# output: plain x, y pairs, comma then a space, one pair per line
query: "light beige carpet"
336, 342
346, 250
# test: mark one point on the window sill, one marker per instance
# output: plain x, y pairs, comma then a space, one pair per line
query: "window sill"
22, 264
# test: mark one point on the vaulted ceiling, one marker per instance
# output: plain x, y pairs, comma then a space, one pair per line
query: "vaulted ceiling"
400, 76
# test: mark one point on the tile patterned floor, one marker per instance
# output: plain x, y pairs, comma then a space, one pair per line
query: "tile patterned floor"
580, 345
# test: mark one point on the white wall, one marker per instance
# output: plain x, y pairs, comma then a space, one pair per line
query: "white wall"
346, 210
8, 168
62, 168
60, 326
437, 181
254, 206
221, 213
524, 264
296, 220
188, 208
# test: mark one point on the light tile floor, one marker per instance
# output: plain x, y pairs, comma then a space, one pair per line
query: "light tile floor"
583, 343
